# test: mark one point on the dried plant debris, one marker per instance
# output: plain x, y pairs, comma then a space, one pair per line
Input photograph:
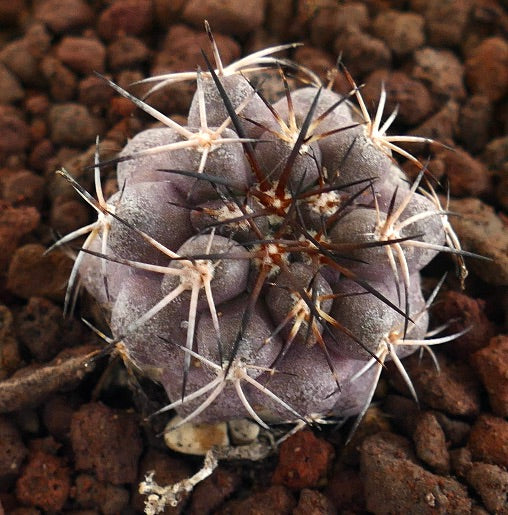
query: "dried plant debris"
31, 385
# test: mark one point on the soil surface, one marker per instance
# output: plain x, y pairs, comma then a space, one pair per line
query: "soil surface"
73, 431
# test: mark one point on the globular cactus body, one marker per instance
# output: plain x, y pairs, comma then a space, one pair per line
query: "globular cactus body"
264, 259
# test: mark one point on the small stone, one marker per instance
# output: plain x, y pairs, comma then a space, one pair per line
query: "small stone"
491, 483
321, 63
461, 461
17, 57
345, 490
121, 107
361, 52
487, 69
41, 327
242, 431
403, 413
106, 441
466, 175
95, 93
167, 11
38, 129
280, 18
313, 502
213, 491
14, 133
478, 510
72, 124
38, 40
402, 32
460, 312
480, 230
44, 483
496, 153
195, 439
456, 431
62, 81
126, 78
475, 122
410, 96
11, 90
488, 440
441, 70
15, 222
304, 461
24, 188
10, 352
91, 493
57, 415
502, 187
440, 127
228, 16
11, 11
32, 273
180, 52
127, 52
331, 20
37, 103
491, 363
430, 443
12, 451
274, 500
410, 488
41, 153
446, 21
68, 215
64, 15
454, 389
35, 511
82, 55
131, 17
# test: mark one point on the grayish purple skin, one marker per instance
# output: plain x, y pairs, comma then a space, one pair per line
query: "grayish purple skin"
253, 348
239, 91
229, 275
173, 209
272, 154
147, 168
393, 181
365, 315
354, 394
146, 348
105, 292
360, 160
151, 207
225, 161
304, 381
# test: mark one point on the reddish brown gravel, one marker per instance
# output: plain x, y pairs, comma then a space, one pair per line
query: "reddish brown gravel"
304, 461
73, 433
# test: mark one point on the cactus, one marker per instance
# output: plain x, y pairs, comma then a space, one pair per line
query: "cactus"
264, 260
